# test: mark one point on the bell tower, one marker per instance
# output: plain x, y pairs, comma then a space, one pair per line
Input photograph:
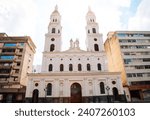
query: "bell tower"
53, 37
94, 40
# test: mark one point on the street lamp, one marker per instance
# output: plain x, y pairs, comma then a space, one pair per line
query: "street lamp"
45, 93
108, 88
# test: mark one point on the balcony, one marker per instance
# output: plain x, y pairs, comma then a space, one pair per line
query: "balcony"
4, 74
5, 67
134, 79
135, 56
8, 53
135, 50
138, 63
6, 60
137, 70
134, 43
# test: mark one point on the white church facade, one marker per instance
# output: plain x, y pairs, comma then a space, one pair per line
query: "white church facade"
74, 75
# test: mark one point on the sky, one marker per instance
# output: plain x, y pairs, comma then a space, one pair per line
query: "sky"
31, 18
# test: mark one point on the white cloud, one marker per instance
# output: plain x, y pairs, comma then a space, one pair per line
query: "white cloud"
16, 17
141, 19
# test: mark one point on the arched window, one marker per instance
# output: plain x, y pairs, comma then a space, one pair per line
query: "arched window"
53, 30
99, 66
61, 67
115, 93
35, 96
102, 88
49, 89
52, 47
70, 67
94, 30
88, 31
96, 47
79, 67
50, 67
58, 31
88, 67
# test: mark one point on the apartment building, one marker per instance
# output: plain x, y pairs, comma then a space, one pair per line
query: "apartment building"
16, 57
129, 52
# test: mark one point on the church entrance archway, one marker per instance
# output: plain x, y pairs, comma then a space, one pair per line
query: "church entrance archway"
76, 93
35, 96
116, 94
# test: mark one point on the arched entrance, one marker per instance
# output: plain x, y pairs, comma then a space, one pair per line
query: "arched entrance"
76, 93
115, 93
35, 96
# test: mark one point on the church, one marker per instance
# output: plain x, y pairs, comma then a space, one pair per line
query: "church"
74, 75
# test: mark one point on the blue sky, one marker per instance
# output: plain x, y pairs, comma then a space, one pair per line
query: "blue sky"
31, 17
128, 12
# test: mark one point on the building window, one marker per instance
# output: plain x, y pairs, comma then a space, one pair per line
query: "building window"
18, 64
50, 67
21, 50
6, 57
17, 71
21, 44
49, 89
79, 67
99, 66
96, 47
139, 75
88, 67
127, 61
102, 88
129, 75
121, 35
147, 67
8, 50
3, 71
52, 39
61, 67
70, 67
88, 31
52, 47
53, 30
94, 30
95, 39
114, 82
146, 60
10, 44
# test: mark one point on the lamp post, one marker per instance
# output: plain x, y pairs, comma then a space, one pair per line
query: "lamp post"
45, 92
108, 88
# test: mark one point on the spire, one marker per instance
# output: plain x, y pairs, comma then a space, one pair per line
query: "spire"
89, 8
90, 16
56, 7
90, 13
55, 12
